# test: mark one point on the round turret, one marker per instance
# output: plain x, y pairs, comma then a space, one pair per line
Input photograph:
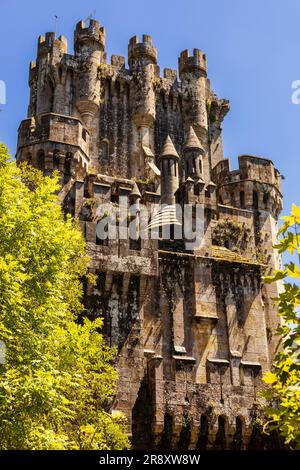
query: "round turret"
193, 152
192, 64
48, 44
169, 172
88, 39
141, 51
89, 44
194, 84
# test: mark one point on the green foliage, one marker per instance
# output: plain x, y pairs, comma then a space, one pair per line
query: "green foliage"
58, 376
230, 234
283, 395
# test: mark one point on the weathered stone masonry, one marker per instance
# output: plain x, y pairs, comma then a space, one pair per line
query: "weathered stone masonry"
194, 328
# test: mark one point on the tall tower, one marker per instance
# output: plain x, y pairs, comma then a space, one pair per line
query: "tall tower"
89, 46
193, 325
142, 60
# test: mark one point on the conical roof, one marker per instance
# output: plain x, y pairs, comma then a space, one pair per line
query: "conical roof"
192, 140
169, 150
135, 191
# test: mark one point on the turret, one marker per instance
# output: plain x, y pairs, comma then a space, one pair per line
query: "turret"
193, 152
193, 73
141, 51
89, 45
89, 39
142, 59
169, 172
51, 45
195, 64
42, 87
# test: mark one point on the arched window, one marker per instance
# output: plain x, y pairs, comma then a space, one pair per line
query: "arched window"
203, 434
238, 436
220, 441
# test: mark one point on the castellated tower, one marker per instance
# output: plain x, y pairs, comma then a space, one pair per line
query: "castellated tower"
193, 324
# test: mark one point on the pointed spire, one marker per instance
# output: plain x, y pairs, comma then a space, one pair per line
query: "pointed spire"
135, 191
169, 150
192, 140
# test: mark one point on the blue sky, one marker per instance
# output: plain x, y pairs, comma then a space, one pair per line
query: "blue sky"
253, 53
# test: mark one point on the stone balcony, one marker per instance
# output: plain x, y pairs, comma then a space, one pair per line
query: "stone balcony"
56, 128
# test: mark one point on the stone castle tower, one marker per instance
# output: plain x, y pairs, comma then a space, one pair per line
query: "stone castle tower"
194, 327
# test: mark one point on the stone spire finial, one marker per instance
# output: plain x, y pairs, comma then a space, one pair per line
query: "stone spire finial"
135, 192
169, 150
192, 140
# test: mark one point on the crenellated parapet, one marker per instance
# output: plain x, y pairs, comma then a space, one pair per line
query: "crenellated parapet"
194, 64
54, 142
88, 39
143, 51
50, 45
254, 186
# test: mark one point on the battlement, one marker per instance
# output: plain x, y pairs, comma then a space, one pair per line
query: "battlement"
89, 38
117, 61
141, 50
47, 43
194, 63
251, 167
170, 74
32, 71
52, 127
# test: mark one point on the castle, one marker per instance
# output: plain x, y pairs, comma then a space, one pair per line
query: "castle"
193, 325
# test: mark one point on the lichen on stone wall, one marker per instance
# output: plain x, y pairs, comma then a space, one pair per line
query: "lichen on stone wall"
231, 234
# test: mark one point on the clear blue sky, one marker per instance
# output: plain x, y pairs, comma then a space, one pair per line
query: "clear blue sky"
252, 47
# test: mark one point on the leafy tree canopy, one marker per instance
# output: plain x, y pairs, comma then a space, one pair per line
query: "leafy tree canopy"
283, 395
58, 376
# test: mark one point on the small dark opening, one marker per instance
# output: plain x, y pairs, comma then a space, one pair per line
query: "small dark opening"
84, 135
255, 200
238, 436
166, 436
220, 441
242, 199
266, 200
203, 435
232, 199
